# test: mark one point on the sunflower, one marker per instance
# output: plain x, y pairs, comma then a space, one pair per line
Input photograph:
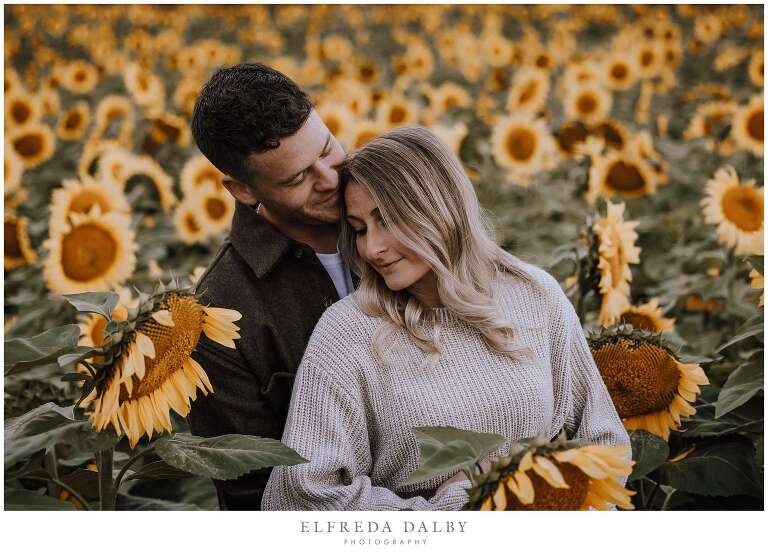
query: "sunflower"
730, 56
620, 173
214, 209
616, 239
649, 58
93, 150
21, 108
612, 132
417, 62
146, 88
13, 169
34, 143
707, 28
155, 372
619, 71
161, 181
397, 111
588, 103
452, 135
497, 51
110, 168
17, 249
93, 252
364, 132
338, 118
757, 282
696, 303
708, 121
522, 144
756, 69
558, 476
73, 122
737, 210
167, 128
647, 316
114, 119
196, 172
186, 220
367, 72
82, 196
79, 77
353, 94
447, 96
580, 72
747, 130
570, 135
649, 387
529, 91
185, 94
336, 48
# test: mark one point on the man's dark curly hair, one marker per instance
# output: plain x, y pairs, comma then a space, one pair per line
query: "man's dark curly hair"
245, 109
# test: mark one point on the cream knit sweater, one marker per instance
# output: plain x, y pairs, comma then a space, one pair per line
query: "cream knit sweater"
351, 415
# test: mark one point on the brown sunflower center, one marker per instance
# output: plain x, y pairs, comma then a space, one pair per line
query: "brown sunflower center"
28, 145
521, 143
610, 135
80, 76
397, 115
451, 102
542, 61
191, 223
646, 58
571, 134
547, 498
619, 71
586, 104
367, 72
638, 320
528, 92
172, 344
215, 208
168, 131
640, 379
624, 177
85, 200
20, 112
88, 252
73, 120
11, 240
755, 125
743, 208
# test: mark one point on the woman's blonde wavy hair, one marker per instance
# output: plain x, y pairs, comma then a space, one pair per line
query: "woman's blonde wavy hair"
429, 205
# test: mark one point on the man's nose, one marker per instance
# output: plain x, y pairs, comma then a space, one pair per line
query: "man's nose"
327, 177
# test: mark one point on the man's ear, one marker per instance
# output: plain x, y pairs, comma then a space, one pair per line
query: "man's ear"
242, 192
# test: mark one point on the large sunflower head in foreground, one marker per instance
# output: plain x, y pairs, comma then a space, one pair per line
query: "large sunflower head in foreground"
614, 239
561, 475
147, 367
737, 210
93, 251
84, 195
650, 388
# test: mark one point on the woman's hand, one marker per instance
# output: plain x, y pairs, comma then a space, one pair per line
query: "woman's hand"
460, 476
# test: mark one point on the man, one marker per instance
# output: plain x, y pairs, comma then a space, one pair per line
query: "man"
279, 266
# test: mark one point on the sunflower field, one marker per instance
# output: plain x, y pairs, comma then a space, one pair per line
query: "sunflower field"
618, 147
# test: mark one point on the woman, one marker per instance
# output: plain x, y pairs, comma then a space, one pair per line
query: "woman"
446, 328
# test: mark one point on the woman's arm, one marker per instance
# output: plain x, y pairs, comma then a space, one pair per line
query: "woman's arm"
327, 425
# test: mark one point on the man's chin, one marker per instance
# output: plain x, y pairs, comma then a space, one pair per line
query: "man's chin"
326, 216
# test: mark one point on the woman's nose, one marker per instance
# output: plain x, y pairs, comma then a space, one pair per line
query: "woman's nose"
375, 246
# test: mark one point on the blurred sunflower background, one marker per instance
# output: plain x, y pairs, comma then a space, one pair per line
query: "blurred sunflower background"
619, 147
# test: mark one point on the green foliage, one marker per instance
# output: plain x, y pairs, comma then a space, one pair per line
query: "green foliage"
224, 457
446, 449
94, 302
26, 500
25, 353
648, 452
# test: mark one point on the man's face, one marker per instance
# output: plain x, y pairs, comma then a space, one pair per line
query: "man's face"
297, 181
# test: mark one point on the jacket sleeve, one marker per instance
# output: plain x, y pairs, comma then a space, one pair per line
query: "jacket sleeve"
327, 425
581, 395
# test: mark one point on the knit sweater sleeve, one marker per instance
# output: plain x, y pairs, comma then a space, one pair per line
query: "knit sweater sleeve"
327, 424
582, 398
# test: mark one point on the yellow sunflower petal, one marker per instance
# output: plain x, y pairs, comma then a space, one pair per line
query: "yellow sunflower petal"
525, 488
549, 472
500, 498
163, 317
145, 345
222, 314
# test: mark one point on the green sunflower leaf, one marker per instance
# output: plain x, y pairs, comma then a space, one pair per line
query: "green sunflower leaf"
445, 449
752, 327
25, 353
94, 302
648, 451
742, 384
225, 457
159, 470
27, 500
721, 467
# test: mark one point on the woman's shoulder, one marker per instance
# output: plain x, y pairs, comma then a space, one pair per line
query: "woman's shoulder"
344, 323
532, 281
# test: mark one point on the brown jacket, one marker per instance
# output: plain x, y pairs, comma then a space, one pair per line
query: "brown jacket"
281, 289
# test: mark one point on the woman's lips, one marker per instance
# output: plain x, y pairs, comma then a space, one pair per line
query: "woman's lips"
388, 265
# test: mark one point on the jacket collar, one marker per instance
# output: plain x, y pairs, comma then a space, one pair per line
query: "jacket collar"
257, 241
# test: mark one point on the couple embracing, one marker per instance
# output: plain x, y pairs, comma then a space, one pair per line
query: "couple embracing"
374, 300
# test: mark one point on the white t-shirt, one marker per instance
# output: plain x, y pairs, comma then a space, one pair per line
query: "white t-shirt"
339, 272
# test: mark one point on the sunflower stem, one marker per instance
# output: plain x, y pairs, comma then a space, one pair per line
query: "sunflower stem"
107, 496
127, 465
666, 500
51, 467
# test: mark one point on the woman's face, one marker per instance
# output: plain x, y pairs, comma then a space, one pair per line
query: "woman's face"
400, 267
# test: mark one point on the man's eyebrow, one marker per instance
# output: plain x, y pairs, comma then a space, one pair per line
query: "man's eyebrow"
292, 177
